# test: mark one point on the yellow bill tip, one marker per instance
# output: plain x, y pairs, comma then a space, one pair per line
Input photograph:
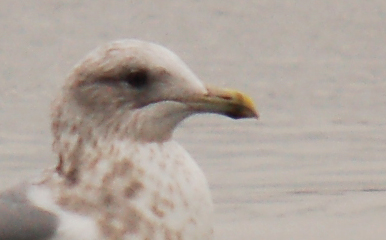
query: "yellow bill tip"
228, 102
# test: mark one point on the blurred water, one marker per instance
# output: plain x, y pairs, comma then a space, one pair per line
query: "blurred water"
312, 167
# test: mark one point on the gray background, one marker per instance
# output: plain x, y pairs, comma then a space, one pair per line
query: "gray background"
313, 166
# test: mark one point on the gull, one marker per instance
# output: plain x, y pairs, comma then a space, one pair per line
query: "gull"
119, 173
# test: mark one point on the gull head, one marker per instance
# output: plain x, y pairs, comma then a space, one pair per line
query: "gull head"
138, 90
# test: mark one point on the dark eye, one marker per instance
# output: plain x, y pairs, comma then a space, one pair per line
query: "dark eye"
136, 79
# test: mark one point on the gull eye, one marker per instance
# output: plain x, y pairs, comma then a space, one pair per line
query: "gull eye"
136, 79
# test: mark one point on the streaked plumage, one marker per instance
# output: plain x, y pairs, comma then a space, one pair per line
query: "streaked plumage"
119, 174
